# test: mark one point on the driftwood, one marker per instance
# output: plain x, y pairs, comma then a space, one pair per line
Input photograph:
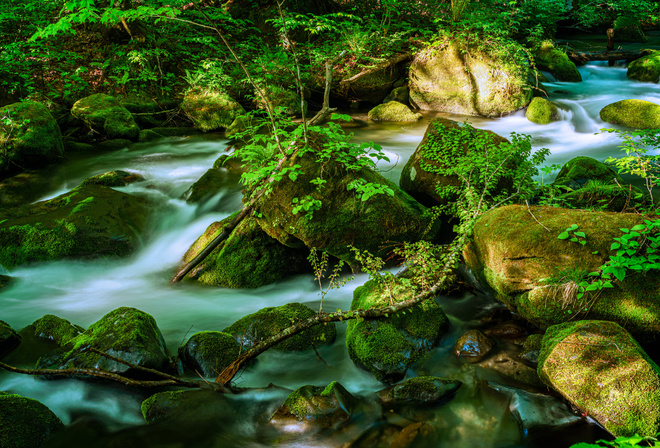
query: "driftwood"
582, 57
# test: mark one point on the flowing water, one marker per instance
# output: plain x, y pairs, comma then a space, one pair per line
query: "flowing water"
485, 412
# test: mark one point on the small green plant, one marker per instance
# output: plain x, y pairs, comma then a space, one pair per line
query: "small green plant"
635, 441
573, 235
308, 205
364, 190
320, 265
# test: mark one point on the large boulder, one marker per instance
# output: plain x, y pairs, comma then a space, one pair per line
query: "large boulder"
555, 61
9, 338
55, 329
601, 369
87, 222
270, 321
389, 347
393, 111
210, 109
646, 68
249, 258
637, 114
515, 253
125, 333
542, 111
29, 137
209, 352
24, 422
105, 115
444, 78
578, 171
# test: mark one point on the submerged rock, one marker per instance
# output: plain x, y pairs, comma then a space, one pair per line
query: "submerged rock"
637, 114
602, 370
125, 333
105, 115
24, 422
185, 406
270, 321
389, 347
646, 68
420, 391
473, 346
55, 329
118, 178
555, 61
209, 352
9, 338
542, 111
393, 111
87, 222
209, 109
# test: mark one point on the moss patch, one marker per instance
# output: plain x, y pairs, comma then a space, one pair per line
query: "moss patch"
105, 115
646, 68
637, 114
327, 407
542, 111
210, 109
24, 422
555, 61
393, 111
56, 329
209, 352
420, 391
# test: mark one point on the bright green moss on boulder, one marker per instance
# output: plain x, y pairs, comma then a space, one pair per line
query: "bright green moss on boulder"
210, 109
637, 114
646, 68
29, 138
270, 321
555, 61
24, 422
105, 115
389, 347
126, 333
56, 329
9, 339
87, 222
393, 111
118, 178
209, 352
579, 170
542, 111
420, 391
327, 407
249, 258
601, 369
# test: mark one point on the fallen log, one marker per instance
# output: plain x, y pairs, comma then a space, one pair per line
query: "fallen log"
582, 57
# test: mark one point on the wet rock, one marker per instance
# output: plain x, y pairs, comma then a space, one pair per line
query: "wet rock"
116, 178
637, 114
24, 422
210, 184
555, 61
185, 405
419, 391
400, 94
125, 333
513, 370
105, 115
55, 329
542, 111
71, 146
389, 347
29, 137
507, 330
579, 170
646, 68
414, 435
88, 222
270, 321
531, 349
114, 144
601, 369
328, 407
393, 111
9, 339
210, 109
149, 135
473, 346
209, 352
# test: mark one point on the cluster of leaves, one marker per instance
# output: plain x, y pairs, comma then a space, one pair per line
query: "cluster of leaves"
621, 442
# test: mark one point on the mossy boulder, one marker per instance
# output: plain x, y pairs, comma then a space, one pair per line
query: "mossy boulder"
280, 97
125, 333
186, 406
105, 115
56, 329
438, 149
542, 111
516, 255
30, 139
210, 109
420, 391
117, 178
88, 222
249, 258
9, 338
579, 170
24, 422
473, 345
387, 348
443, 78
637, 114
345, 217
326, 407
601, 369
393, 111
209, 352
270, 321
210, 184
400, 94
646, 68
555, 61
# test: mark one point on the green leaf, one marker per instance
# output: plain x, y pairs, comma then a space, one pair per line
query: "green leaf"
639, 227
581, 234
615, 246
563, 235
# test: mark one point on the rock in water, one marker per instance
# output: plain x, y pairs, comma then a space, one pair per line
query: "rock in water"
24, 422
105, 115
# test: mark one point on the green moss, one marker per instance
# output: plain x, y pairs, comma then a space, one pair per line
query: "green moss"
186, 407
117, 178
393, 111
646, 68
105, 114
24, 422
579, 170
210, 109
542, 111
556, 62
326, 407
85, 203
279, 97
637, 114
56, 329
209, 352
533, 342
421, 390
270, 321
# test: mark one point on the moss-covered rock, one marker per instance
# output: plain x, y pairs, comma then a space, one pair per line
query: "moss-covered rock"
473, 345
280, 97
438, 149
555, 61
207, 186
125, 333
87, 222
515, 253
209, 352
149, 135
210, 109
637, 114
646, 68
184, 406
444, 78
270, 321
400, 94
118, 178
531, 349
249, 258
542, 111
9, 338
327, 407
420, 391
393, 111
389, 347
55, 329
579, 170
71, 146
29, 138
601, 369
105, 115
24, 422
